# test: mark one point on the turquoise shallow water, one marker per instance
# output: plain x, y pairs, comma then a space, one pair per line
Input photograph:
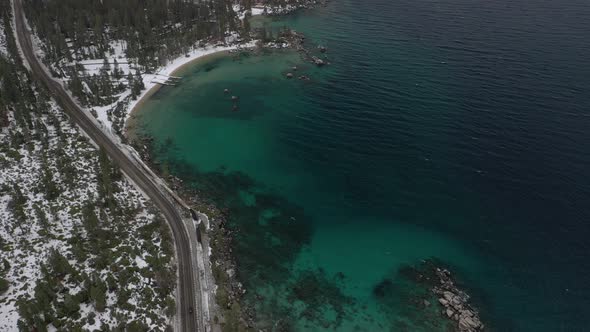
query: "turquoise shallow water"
197, 130
450, 130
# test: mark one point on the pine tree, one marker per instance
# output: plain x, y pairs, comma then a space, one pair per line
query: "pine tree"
89, 218
116, 70
106, 66
97, 293
70, 305
137, 84
246, 25
130, 79
76, 86
49, 186
59, 265
17, 205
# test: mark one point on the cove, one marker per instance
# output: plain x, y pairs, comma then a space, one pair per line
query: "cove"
407, 147
251, 161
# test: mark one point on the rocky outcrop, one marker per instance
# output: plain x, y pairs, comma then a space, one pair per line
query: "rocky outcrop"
319, 62
455, 303
291, 6
296, 40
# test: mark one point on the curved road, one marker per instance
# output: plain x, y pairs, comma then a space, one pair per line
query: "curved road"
187, 282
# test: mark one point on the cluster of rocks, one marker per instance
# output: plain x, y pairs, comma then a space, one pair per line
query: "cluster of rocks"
455, 303
239, 49
142, 146
317, 61
292, 6
296, 40
277, 45
223, 259
312, 58
300, 77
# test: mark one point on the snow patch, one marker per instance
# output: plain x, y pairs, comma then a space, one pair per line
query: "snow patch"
140, 262
3, 42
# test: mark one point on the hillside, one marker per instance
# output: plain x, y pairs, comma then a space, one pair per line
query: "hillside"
81, 248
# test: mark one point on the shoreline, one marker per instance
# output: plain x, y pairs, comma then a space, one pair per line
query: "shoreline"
130, 134
172, 68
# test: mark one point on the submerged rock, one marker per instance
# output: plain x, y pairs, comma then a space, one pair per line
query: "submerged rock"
455, 302
428, 299
380, 290
319, 62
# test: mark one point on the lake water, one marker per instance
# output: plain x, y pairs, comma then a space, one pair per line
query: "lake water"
453, 130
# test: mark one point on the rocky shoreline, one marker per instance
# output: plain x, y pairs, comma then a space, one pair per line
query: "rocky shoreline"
231, 310
316, 55
456, 303
451, 303
296, 41
292, 6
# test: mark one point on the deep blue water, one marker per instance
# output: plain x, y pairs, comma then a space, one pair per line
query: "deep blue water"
473, 116
465, 119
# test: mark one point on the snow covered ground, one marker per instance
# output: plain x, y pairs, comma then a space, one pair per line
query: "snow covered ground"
262, 9
117, 60
55, 224
3, 51
256, 10
57, 195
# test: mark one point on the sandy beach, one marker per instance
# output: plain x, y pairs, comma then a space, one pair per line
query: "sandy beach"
173, 68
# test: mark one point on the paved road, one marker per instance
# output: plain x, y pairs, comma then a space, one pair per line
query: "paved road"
186, 286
